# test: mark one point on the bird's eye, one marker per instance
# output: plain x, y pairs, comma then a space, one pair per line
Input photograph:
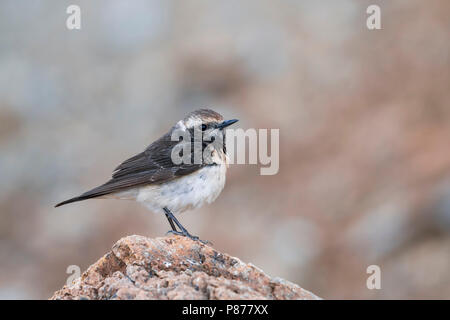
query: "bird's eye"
204, 127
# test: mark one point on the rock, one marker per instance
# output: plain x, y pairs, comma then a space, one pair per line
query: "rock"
175, 268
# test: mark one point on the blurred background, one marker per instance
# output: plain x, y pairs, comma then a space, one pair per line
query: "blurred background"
364, 119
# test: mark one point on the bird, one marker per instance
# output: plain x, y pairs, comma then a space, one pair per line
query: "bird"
182, 170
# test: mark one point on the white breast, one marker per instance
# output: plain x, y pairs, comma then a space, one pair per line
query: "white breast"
187, 192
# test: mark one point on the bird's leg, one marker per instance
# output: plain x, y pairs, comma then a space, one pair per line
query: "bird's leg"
183, 231
170, 221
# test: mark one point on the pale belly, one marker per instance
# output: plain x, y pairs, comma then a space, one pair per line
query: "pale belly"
185, 193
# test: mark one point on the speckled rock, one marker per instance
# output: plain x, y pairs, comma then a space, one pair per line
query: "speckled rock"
175, 268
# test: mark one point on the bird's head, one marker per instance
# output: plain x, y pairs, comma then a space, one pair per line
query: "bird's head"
206, 126
206, 120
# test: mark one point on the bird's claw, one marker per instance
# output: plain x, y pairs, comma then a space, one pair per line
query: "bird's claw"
188, 235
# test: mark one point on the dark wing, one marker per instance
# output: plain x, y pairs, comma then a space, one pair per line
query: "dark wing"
152, 166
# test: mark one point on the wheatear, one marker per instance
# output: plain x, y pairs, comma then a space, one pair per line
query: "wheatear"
159, 180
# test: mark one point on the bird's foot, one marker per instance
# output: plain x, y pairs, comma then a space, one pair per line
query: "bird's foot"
188, 235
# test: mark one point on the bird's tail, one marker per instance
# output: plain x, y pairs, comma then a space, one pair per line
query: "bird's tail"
111, 187
75, 199
94, 193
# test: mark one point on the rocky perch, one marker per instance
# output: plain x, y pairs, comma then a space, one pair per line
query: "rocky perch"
175, 268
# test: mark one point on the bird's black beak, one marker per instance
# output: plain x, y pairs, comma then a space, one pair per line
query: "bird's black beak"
226, 123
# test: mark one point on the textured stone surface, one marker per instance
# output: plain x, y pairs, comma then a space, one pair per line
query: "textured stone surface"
175, 268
